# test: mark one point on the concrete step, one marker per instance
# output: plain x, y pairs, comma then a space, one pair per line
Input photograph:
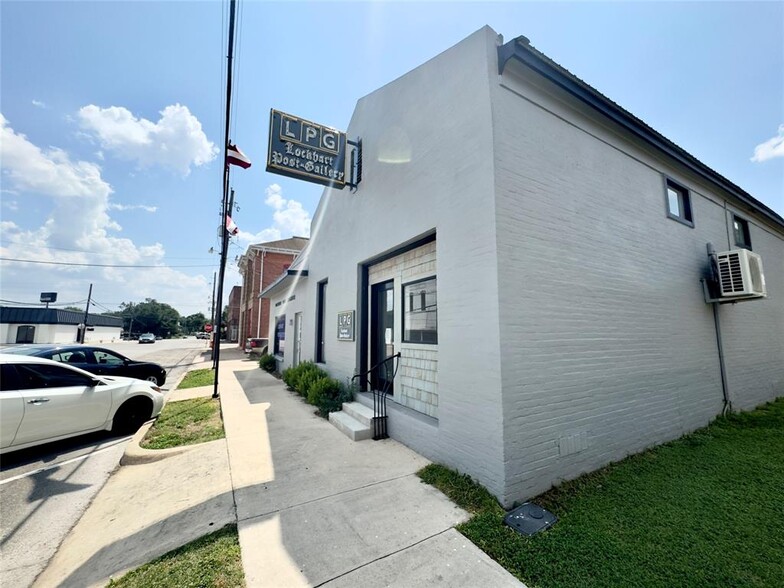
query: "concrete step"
350, 426
360, 412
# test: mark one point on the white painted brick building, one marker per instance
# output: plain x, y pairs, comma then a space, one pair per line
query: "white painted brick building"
534, 252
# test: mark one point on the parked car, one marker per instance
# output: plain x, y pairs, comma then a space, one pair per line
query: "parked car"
256, 346
43, 401
147, 338
96, 360
202, 335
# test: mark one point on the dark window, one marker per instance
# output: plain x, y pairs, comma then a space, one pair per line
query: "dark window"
420, 319
8, 378
679, 203
741, 229
107, 358
49, 376
321, 304
25, 334
280, 335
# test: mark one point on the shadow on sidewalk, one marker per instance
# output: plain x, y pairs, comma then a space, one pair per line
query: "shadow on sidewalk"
135, 550
331, 505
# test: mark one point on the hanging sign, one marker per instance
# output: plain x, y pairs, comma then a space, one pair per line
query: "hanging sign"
346, 325
306, 150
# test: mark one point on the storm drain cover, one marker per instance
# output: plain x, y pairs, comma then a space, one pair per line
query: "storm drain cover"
528, 519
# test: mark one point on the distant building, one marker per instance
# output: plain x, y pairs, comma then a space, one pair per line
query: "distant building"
535, 253
233, 322
261, 264
54, 325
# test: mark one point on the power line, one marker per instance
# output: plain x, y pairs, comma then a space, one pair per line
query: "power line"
28, 246
99, 264
42, 303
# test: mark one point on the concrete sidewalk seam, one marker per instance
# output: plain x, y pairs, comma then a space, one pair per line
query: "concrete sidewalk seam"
322, 498
383, 557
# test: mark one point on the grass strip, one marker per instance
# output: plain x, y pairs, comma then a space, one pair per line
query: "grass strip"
196, 378
185, 422
211, 561
704, 510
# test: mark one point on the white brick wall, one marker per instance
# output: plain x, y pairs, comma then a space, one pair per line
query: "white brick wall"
572, 329
606, 338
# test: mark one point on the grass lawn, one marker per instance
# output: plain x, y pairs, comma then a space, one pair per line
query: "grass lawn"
211, 561
196, 378
705, 510
185, 422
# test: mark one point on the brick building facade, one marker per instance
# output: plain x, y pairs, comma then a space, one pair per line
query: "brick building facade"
261, 264
233, 322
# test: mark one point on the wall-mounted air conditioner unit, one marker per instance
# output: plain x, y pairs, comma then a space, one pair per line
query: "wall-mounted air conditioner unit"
740, 274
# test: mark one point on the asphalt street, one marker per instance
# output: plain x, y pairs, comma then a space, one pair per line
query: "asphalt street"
44, 490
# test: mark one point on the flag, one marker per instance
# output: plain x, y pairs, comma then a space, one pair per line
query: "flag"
236, 157
231, 227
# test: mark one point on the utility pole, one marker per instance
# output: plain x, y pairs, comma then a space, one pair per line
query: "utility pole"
212, 316
225, 207
217, 325
86, 310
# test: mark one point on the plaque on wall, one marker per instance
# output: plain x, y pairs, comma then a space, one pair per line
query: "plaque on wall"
346, 325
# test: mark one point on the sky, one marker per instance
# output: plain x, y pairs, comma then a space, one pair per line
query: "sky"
113, 116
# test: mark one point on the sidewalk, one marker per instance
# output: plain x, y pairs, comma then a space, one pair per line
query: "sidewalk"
313, 508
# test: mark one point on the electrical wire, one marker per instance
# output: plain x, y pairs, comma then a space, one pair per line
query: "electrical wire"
49, 247
98, 264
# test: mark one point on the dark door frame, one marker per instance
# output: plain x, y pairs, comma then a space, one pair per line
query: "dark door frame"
363, 299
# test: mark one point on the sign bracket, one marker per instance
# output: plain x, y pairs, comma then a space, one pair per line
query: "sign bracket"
355, 170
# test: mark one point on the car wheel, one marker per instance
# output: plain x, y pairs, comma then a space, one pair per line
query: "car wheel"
131, 415
153, 379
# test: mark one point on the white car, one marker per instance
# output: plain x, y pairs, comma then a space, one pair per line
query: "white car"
42, 401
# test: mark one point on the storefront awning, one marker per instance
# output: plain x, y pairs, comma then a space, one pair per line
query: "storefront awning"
283, 283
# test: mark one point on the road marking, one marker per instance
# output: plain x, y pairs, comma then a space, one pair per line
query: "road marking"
62, 463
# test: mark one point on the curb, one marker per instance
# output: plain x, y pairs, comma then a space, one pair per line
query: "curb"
136, 455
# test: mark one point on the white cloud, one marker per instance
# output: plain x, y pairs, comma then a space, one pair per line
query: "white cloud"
773, 147
39, 104
49, 172
176, 141
290, 219
274, 197
293, 219
12, 205
79, 230
123, 207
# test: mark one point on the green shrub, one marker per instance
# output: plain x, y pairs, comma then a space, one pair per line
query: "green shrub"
287, 376
302, 377
310, 375
268, 363
329, 395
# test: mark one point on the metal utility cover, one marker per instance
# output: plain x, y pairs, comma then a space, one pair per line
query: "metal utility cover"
528, 519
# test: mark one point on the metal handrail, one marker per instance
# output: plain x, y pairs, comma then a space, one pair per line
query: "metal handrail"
380, 397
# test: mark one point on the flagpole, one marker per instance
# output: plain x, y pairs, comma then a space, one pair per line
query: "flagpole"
225, 201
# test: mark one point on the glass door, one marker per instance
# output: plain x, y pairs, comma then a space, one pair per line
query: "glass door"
382, 333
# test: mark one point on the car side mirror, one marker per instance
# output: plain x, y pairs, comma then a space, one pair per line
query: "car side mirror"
96, 382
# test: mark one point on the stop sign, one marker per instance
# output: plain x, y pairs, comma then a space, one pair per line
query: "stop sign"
208, 328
